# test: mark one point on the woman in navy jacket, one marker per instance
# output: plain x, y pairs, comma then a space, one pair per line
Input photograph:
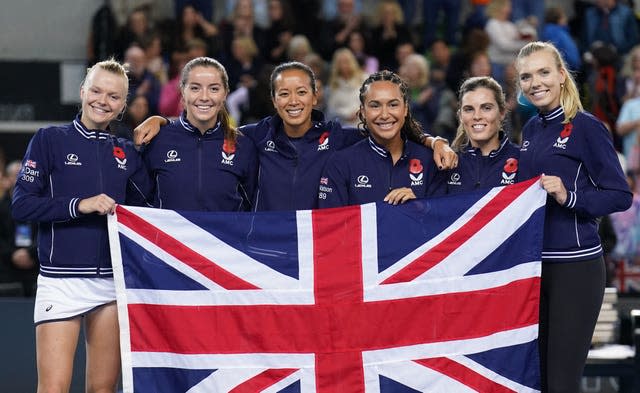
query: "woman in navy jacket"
391, 164
294, 144
201, 162
573, 152
486, 156
71, 177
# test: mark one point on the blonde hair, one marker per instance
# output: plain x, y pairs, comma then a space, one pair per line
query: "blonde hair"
398, 16
248, 44
112, 66
569, 95
334, 77
423, 65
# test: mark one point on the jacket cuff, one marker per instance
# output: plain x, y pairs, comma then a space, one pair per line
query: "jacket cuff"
572, 198
73, 208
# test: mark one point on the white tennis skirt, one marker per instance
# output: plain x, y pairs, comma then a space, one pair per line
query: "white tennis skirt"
59, 299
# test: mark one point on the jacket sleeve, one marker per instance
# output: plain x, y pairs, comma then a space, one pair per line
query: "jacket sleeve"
140, 186
333, 189
32, 195
250, 180
608, 190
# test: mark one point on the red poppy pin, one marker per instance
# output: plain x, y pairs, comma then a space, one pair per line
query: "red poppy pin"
566, 131
511, 165
118, 153
415, 166
228, 147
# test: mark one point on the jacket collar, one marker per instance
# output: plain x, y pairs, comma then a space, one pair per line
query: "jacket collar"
475, 151
553, 117
87, 133
382, 151
191, 128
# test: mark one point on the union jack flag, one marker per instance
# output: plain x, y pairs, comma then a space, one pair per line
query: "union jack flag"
436, 295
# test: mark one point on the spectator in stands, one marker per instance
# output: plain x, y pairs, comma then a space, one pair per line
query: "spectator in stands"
299, 48
432, 104
530, 13
250, 104
141, 81
486, 156
242, 24
476, 40
279, 33
137, 110
628, 129
294, 144
403, 51
18, 253
102, 36
58, 187
610, 22
337, 29
244, 64
574, 154
156, 63
389, 33
440, 56
360, 50
136, 31
321, 70
345, 79
479, 65
631, 75
505, 39
191, 24
555, 30
392, 149
450, 11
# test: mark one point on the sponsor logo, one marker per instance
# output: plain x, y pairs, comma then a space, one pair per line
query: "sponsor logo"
72, 159
525, 145
561, 142
323, 142
416, 172
271, 146
49, 307
120, 157
454, 180
362, 182
172, 156
228, 152
509, 171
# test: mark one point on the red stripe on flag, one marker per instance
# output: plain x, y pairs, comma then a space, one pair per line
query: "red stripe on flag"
321, 329
464, 375
178, 250
439, 252
337, 250
263, 380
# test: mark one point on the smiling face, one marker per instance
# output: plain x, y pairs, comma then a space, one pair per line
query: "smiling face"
103, 96
294, 98
203, 96
481, 118
384, 112
540, 79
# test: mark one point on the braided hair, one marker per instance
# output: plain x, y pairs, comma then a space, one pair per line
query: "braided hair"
411, 129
